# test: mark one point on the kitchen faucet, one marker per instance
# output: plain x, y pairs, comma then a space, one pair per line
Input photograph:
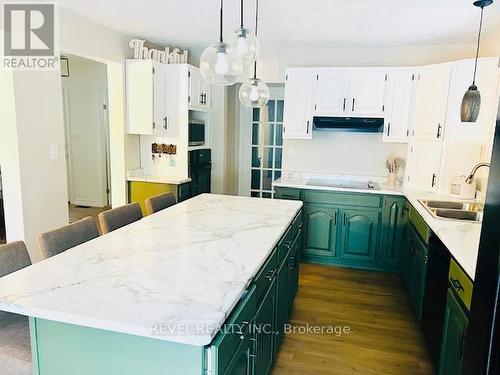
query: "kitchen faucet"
469, 179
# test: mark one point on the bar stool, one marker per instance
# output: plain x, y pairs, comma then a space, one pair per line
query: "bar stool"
159, 202
119, 217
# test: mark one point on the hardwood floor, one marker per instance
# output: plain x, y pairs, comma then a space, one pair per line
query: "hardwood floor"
384, 337
79, 212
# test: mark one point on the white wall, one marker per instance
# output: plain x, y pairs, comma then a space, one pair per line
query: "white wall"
341, 152
86, 130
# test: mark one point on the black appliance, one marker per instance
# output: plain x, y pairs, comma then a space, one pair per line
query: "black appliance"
199, 169
436, 286
353, 124
196, 133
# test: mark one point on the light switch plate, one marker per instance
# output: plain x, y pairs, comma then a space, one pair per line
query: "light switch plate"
54, 152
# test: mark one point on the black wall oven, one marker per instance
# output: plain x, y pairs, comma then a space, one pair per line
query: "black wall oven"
196, 133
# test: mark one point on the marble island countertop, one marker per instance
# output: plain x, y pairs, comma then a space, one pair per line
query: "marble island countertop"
186, 266
461, 238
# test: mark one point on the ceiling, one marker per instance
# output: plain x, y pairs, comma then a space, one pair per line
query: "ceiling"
304, 23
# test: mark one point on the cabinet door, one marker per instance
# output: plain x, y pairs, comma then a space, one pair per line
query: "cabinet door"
332, 90
418, 273
406, 255
399, 97
297, 117
359, 235
294, 262
282, 301
424, 159
174, 78
453, 341
394, 219
487, 78
265, 327
321, 230
366, 90
159, 99
195, 98
139, 94
431, 99
242, 363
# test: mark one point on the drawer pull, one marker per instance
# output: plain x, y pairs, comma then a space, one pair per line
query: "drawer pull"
270, 275
456, 284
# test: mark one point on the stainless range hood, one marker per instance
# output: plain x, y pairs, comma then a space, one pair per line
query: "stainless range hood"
352, 124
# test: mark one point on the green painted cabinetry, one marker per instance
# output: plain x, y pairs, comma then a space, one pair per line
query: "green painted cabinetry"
414, 269
320, 222
453, 341
358, 230
242, 362
359, 236
393, 231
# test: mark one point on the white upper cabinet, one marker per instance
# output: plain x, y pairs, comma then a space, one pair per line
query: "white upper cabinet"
487, 78
332, 91
159, 99
299, 90
140, 96
399, 98
422, 170
199, 90
367, 89
431, 99
349, 92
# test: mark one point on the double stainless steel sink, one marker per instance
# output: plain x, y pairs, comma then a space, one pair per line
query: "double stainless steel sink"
454, 210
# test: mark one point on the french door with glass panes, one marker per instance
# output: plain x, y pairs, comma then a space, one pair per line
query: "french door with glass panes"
267, 147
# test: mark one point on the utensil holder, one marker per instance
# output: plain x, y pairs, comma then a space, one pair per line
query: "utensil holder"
392, 179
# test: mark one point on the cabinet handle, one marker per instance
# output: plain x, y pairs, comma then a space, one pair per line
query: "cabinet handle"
456, 284
343, 107
461, 346
270, 275
433, 182
165, 123
345, 219
201, 99
388, 128
353, 100
335, 218
438, 135
307, 131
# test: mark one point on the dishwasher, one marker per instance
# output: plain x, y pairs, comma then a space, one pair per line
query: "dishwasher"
434, 304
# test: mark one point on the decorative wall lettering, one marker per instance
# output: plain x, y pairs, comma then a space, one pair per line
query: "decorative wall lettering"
164, 56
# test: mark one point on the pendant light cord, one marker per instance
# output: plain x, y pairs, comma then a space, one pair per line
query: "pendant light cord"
256, 25
241, 14
221, 10
477, 48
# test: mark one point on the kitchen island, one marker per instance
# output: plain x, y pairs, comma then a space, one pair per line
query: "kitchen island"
174, 293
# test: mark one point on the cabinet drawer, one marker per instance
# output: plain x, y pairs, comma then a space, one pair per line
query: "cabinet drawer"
419, 224
460, 283
266, 275
344, 199
228, 341
286, 193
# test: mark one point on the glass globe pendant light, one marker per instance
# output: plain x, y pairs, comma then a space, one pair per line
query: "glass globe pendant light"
471, 102
246, 44
254, 92
219, 63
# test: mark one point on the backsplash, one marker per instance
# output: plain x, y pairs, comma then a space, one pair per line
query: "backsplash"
166, 165
341, 153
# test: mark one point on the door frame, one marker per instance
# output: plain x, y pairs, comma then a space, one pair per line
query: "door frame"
245, 140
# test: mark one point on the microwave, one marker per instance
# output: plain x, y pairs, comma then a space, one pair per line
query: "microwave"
196, 133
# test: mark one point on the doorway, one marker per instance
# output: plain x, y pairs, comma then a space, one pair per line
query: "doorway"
86, 123
262, 140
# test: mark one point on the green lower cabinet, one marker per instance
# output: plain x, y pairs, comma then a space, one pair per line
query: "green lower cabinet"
321, 230
359, 235
282, 301
414, 269
264, 332
242, 362
392, 236
294, 262
453, 341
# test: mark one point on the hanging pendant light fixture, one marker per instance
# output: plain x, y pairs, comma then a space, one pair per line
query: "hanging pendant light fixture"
254, 92
471, 102
245, 43
219, 63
